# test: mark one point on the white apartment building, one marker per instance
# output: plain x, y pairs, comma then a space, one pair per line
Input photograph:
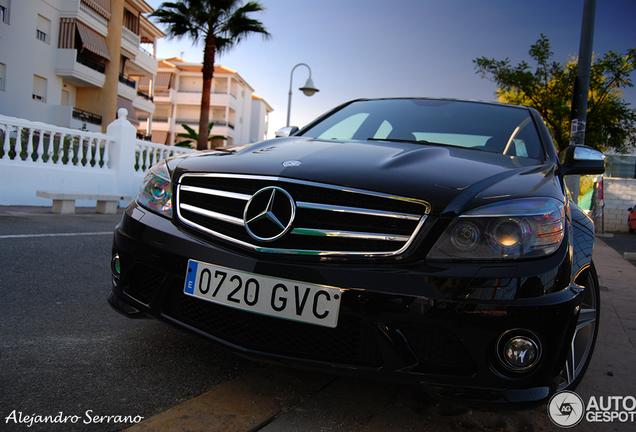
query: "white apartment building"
73, 63
238, 114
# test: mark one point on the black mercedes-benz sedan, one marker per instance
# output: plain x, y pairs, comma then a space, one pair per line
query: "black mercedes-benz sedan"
422, 241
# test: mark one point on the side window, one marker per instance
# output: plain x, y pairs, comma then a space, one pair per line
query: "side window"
39, 88
43, 30
5, 7
520, 148
3, 76
527, 143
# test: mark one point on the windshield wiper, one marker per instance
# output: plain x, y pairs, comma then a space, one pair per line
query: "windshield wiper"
400, 140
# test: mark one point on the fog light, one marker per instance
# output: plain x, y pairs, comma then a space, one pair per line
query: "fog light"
115, 267
519, 353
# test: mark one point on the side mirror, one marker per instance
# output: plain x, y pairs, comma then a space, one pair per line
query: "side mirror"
582, 160
286, 131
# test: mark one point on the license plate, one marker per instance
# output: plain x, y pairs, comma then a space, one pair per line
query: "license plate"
281, 298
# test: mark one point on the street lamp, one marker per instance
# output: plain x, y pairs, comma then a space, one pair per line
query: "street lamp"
309, 89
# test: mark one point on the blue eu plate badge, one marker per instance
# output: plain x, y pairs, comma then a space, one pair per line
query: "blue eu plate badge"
191, 277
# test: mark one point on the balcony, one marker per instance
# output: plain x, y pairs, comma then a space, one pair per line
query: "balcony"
145, 95
99, 67
194, 98
78, 70
162, 123
126, 88
82, 11
130, 41
188, 98
75, 118
143, 64
165, 96
221, 127
143, 136
127, 81
143, 103
126, 92
86, 116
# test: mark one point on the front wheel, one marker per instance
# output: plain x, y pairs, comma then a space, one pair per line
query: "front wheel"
584, 339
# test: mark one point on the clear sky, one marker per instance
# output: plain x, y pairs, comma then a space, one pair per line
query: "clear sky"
375, 48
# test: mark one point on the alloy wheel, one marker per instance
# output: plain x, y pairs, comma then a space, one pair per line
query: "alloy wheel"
584, 339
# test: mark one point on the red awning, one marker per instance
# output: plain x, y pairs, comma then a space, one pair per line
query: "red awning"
159, 137
132, 115
93, 41
162, 80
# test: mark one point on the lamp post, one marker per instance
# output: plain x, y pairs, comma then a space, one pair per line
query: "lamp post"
309, 89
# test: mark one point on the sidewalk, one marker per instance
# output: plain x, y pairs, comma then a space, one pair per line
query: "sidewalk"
33, 210
613, 368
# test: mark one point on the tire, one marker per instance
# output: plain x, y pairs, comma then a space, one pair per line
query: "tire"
584, 339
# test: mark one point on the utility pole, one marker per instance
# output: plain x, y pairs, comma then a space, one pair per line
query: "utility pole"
582, 86
582, 81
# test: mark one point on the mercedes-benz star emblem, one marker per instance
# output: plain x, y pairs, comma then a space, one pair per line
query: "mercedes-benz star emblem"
269, 214
292, 163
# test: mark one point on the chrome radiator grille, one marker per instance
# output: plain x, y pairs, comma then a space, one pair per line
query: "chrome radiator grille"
286, 216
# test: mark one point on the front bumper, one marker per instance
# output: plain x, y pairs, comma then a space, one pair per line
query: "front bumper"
435, 326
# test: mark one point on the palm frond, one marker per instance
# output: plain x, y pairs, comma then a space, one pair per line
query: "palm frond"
221, 24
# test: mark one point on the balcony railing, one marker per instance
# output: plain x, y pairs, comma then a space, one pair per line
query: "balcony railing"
93, 14
127, 81
91, 63
187, 122
217, 123
130, 36
145, 96
86, 116
144, 137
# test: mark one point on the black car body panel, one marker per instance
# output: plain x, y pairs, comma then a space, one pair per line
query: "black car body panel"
412, 169
403, 316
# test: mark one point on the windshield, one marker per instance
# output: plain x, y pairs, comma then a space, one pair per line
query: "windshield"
481, 126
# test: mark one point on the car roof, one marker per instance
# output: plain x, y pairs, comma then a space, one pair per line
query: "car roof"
443, 99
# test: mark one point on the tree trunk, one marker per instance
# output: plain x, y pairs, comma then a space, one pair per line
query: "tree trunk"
208, 74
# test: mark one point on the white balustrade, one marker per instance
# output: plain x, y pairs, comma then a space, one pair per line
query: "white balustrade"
148, 154
23, 141
34, 155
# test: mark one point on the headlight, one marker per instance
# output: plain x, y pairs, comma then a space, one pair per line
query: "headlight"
515, 229
155, 192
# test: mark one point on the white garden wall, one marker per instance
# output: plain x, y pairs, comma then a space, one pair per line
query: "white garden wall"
619, 195
36, 156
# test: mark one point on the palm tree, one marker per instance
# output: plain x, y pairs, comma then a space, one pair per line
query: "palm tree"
193, 137
221, 24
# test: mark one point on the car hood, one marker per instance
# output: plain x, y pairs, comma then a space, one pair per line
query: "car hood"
451, 179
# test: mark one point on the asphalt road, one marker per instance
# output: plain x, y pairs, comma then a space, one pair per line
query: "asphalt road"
63, 349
